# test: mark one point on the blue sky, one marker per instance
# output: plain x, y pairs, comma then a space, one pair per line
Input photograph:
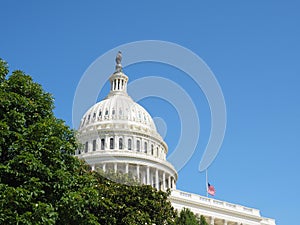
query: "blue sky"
252, 47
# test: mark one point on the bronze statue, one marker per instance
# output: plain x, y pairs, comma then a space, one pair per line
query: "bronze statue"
119, 57
118, 61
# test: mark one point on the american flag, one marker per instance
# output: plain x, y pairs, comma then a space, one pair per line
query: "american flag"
210, 189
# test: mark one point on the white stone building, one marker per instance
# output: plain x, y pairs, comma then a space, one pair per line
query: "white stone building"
118, 134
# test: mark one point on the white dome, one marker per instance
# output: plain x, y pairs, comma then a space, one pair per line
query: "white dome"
118, 108
118, 134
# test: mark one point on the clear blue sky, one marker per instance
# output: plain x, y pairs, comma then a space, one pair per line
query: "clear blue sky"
253, 48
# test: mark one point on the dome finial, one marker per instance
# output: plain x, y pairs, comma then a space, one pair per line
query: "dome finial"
118, 80
118, 61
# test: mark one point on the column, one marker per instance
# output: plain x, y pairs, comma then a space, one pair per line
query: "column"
133, 144
144, 177
156, 179
93, 167
212, 220
116, 142
225, 222
169, 182
126, 168
115, 167
138, 172
174, 183
104, 167
98, 144
148, 175
106, 139
164, 181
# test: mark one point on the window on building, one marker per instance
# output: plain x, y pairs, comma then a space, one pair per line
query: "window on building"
102, 144
138, 145
152, 149
129, 144
86, 149
111, 143
145, 147
120, 143
94, 145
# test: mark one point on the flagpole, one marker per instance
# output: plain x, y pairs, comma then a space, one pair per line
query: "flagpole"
206, 179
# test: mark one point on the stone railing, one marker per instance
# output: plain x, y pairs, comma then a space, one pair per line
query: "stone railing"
213, 202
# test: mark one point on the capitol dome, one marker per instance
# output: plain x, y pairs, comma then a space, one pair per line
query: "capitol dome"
121, 108
118, 134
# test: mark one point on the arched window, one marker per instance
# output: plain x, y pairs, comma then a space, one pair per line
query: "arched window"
145, 147
111, 143
94, 145
152, 149
138, 145
120, 143
86, 149
102, 144
129, 144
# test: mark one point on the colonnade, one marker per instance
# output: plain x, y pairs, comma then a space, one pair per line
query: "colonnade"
118, 84
159, 179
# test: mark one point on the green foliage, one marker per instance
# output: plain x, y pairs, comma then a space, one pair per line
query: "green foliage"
41, 182
37, 169
203, 220
187, 217
3, 70
136, 204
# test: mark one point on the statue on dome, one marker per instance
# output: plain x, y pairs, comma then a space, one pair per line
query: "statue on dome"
119, 57
118, 61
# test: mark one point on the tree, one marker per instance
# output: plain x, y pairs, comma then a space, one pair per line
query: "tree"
132, 205
37, 170
203, 220
41, 182
187, 217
